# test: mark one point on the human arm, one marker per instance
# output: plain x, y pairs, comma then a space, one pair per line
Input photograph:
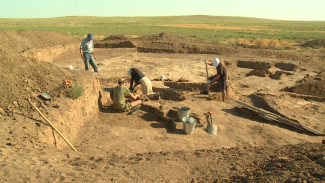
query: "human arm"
214, 79
134, 97
94, 55
131, 82
81, 54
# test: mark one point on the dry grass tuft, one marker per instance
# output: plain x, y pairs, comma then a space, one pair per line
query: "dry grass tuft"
75, 91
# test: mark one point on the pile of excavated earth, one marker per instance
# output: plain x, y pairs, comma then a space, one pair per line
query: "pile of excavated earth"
270, 128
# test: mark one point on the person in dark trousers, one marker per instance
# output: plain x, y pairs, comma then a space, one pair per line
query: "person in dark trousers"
138, 77
220, 77
87, 52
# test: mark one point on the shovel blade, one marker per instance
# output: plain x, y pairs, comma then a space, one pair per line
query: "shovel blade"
211, 129
46, 96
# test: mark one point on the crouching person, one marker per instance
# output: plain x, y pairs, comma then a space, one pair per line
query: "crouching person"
123, 99
220, 77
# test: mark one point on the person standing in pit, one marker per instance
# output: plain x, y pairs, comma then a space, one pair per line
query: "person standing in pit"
87, 52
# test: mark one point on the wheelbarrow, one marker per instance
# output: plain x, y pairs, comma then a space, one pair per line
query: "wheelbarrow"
48, 96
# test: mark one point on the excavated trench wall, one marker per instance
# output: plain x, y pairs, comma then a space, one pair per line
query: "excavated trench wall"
69, 114
48, 54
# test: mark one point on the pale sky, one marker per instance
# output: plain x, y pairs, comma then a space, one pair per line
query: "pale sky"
271, 9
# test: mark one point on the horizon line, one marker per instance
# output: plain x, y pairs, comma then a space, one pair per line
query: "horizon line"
163, 16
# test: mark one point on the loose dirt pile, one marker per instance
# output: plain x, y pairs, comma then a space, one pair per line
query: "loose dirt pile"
310, 85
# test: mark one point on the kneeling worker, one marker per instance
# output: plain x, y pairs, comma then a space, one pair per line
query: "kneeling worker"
221, 77
138, 77
123, 99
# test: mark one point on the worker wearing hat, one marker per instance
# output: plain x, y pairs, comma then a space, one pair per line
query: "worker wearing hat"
221, 77
123, 99
87, 52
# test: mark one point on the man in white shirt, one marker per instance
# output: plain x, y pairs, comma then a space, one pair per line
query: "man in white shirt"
87, 52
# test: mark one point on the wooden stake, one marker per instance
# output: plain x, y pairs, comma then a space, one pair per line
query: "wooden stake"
53, 126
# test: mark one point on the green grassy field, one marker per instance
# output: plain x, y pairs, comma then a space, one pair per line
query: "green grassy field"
231, 30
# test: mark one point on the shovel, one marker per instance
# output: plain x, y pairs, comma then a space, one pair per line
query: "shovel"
211, 129
206, 68
48, 96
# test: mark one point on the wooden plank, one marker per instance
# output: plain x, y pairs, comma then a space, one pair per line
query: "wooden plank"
274, 117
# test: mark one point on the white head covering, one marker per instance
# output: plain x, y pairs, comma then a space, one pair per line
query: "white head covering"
216, 62
129, 71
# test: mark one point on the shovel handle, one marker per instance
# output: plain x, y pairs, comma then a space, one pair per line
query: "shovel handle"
66, 82
210, 114
206, 68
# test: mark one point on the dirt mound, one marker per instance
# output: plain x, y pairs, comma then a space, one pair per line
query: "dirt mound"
163, 43
169, 43
316, 43
310, 85
286, 66
24, 77
253, 64
114, 44
165, 37
115, 37
22, 41
261, 72
115, 41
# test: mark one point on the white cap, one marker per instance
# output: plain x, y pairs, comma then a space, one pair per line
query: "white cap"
162, 78
129, 71
216, 62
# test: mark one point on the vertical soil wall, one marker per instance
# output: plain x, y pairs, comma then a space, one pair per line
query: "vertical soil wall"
69, 115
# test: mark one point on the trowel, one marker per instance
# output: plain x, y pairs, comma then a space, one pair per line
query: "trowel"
211, 128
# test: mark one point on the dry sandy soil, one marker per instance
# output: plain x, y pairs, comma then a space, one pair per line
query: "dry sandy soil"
150, 145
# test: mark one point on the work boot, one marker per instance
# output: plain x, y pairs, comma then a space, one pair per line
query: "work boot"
204, 92
136, 107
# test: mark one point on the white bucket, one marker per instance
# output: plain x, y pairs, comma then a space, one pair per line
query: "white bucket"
183, 112
189, 124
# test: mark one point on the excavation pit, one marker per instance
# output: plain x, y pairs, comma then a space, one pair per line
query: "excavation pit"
253, 64
187, 86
